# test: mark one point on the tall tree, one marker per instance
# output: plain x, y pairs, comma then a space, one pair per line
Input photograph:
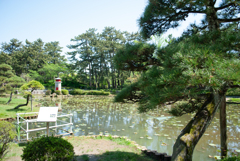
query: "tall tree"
198, 68
84, 50
53, 51
8, 80
113, 41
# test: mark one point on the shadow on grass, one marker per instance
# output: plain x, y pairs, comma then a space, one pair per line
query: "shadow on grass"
12, 109
22, 144
113, 156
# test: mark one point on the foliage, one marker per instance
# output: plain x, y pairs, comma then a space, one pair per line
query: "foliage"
26, 93
48, 92
47, 73
33, 85
48, 148
198, 68
76, 92
58, 92
31, 55
234, 158
7, 134
8, 80
65, 92
160, 16
233, 92
86, 92
92, 56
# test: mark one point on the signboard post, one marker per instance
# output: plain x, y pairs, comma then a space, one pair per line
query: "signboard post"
47, 114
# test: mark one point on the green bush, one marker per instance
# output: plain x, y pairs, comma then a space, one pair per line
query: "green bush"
235, 158
233, 92
76, 92
7, 134
52, 91
65, 92
58, 92
48, 148
88, 92
48, 92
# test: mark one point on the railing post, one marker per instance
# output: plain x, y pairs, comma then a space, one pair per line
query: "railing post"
71, 123
27, 129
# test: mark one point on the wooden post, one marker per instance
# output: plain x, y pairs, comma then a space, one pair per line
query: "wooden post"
47, 128
31, 103
223, 128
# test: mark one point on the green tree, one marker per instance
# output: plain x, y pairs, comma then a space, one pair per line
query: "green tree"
47, 74
84, 50
196, 68
33, 85
8, 80
53, 51
31, 55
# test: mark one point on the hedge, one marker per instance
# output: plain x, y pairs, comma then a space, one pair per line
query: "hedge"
86, 92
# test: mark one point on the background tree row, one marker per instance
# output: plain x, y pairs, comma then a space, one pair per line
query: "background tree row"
92, 56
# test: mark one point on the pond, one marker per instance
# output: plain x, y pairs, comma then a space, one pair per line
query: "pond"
156, 130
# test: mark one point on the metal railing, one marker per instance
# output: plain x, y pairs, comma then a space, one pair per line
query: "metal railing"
27, 130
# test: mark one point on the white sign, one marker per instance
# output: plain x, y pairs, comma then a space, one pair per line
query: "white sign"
47, 114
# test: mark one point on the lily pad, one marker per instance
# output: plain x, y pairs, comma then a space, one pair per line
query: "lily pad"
217, 157
238, 150
212, 144
149, 138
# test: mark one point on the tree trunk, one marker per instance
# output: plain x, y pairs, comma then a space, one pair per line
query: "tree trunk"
90, 81
191, 134
23, 104
223, 128
10, 99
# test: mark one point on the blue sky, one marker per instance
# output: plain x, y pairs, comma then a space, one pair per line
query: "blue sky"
61, 20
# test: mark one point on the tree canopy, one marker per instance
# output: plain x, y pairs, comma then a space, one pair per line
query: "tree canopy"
192, 72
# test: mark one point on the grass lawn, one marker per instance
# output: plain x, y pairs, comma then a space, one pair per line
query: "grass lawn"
237, 100
7, 111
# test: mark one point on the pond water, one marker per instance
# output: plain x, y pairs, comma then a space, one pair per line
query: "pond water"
156, 130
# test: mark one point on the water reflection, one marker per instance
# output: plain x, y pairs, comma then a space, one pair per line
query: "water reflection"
156, 130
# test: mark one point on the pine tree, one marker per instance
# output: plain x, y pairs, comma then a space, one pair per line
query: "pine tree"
196, 68
8, 80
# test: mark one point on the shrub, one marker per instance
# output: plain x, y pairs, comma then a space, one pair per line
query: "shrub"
48, 92
233, 92
48, 148
65, 92
76, 92
88, 92
113, 91
58, 92
52, 91
234, 158
7, 134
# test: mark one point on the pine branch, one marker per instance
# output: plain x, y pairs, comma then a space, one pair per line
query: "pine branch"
223, 7
230, 20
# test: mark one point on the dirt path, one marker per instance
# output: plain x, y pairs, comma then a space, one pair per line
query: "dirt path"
84, 148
